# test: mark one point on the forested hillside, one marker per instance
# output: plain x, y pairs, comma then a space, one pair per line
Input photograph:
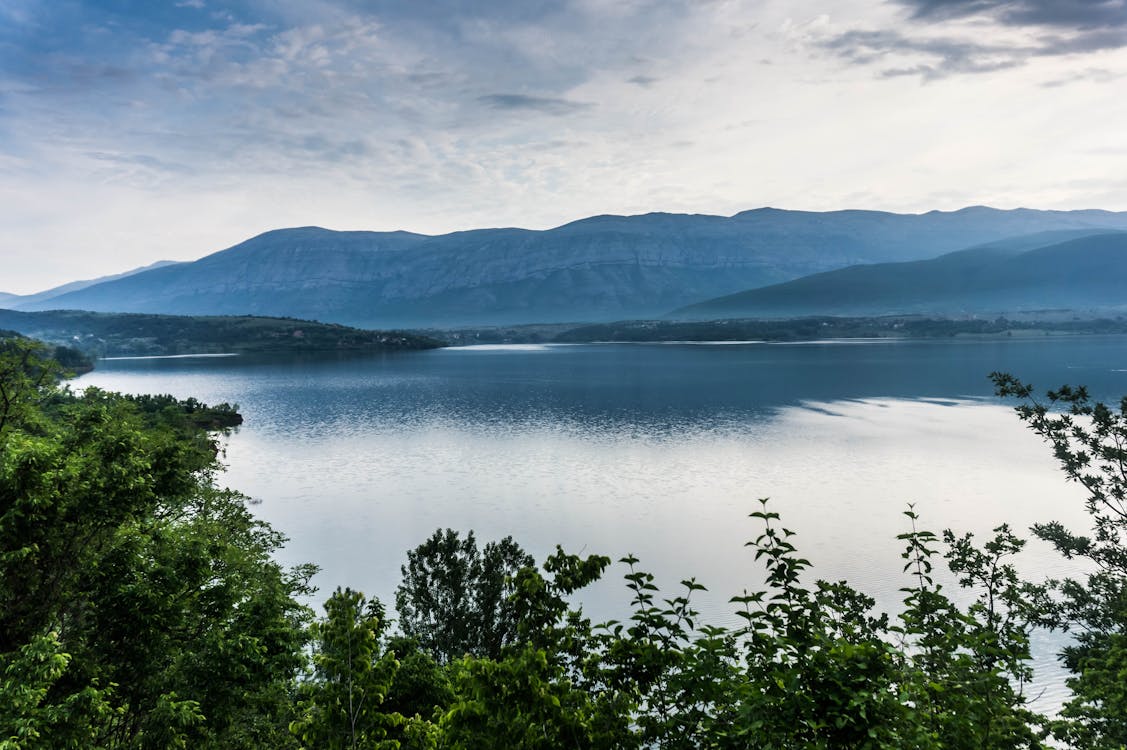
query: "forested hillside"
116, 335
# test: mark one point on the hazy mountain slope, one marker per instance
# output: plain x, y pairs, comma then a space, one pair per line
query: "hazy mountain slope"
20, 301
600, 268
890, 237
1084, 273
305, 273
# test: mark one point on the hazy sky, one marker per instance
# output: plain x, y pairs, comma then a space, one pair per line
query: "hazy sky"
135, 131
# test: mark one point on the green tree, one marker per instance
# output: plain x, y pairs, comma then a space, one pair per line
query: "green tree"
965, 667
550, 689
28, 379
1089, 439
421, 687
813, 667
30, 717
454, 599
818, 671
140, 606
341, 706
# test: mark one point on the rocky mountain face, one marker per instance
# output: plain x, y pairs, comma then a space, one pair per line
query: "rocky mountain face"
600, 268
1087, 273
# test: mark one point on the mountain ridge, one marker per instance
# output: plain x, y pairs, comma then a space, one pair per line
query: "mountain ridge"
603, 267
7, 299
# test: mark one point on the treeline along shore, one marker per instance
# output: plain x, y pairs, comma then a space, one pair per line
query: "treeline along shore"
97, 335
137, 334
784, 329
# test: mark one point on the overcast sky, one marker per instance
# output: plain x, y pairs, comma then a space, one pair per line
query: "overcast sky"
137, 131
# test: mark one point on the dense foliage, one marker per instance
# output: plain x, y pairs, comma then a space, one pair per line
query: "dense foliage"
135, 334
1089, 439
141, 607
456, 599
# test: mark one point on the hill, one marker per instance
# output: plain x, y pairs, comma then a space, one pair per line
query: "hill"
1087, 273
20, 301
72, 360
600, 268
115, 334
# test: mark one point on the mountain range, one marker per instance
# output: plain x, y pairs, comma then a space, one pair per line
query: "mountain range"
1023, 275
596, 269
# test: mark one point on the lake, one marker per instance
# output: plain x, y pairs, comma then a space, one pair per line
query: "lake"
660, 450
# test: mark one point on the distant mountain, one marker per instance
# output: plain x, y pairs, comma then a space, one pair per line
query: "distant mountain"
601, 268
22, 301
1086, 273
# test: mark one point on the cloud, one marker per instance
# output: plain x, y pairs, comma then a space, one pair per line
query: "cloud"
945, 37
1095, 75
545, 105
946, 56
1065, 14
1090, 41
958, 51
443, 114
140, 160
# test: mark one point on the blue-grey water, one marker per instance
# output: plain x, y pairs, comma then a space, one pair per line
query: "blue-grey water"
659, 450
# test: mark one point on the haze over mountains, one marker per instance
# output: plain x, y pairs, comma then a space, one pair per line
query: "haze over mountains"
1025, 275
597, 269
26, 301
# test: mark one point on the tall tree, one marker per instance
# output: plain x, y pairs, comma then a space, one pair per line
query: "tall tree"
1089, 439
341, 705
455, 599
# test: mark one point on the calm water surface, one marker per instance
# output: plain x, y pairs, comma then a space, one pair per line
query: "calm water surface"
656, 450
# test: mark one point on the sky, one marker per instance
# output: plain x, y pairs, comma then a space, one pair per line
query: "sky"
137, 131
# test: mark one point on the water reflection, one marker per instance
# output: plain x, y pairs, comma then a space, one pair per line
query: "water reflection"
659, 451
